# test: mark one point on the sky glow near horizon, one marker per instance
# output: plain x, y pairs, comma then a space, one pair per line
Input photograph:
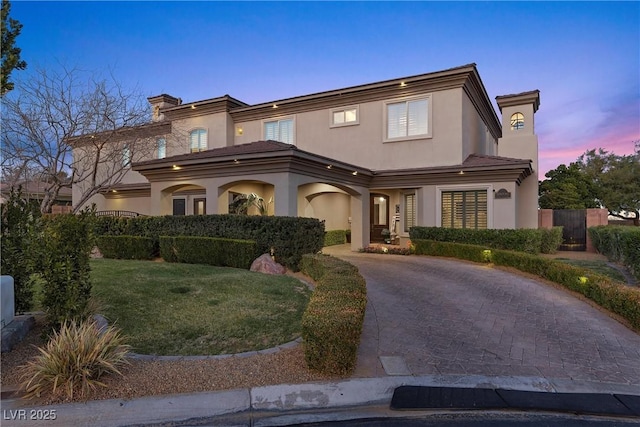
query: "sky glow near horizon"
584, 57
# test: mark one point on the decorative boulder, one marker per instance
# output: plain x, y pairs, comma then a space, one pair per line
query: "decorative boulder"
265, 264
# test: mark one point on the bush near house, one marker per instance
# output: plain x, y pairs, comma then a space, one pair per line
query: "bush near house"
126, 247
335, 237
67, 243
20, 246
291, 237
614, 296
208, 250
618, 243
332, 322
524, 240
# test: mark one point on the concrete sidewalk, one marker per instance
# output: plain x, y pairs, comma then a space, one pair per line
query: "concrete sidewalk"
277, 405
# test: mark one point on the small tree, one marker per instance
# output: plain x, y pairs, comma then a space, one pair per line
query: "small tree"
69, 121
616, 180
20, 246
567, 188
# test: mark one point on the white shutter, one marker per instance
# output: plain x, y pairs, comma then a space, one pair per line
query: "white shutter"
286, 131
271, 131
396, 120
417, 117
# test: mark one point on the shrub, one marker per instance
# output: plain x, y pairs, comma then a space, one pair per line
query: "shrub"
524, 240
127, 247
68, 241
73, 361
332, 322
208, 250
392, 250
291, 237
20, 227
551, 239
616, 297
618, 243
335, 237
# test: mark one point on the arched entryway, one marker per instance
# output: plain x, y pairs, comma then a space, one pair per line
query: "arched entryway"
185, 199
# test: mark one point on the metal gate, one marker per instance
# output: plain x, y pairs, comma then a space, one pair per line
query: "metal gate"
574, 232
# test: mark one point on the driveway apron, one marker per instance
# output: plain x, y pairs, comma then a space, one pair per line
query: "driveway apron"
438, 316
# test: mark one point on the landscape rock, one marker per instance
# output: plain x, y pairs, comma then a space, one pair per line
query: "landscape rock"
265, 264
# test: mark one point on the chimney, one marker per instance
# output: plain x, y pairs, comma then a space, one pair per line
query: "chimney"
161, 102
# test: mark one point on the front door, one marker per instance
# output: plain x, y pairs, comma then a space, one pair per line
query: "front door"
379, 208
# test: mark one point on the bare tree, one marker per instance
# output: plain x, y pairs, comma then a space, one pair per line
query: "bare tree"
80, 123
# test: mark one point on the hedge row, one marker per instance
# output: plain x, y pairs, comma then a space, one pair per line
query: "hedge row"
621, 244
291, 237
126, 247
335, 237
208, 250
332, 322
616, 297
524, 240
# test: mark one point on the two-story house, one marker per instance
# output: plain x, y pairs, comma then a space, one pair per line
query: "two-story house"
424, 150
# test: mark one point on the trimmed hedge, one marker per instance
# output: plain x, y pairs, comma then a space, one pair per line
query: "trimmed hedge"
524, 240
332, 322
291, 237
208, 250
127, 247
335, 237
614, 296
618, 243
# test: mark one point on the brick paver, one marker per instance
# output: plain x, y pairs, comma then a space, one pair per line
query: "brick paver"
449, 317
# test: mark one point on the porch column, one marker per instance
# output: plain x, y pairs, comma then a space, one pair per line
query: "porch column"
360, 220
285, 195
160, 200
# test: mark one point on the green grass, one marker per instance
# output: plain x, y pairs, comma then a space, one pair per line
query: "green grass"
187, 309
599, 267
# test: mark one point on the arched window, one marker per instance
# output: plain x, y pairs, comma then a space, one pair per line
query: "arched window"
517, 121
198, 140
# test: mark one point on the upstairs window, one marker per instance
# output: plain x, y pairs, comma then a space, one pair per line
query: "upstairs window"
407, 119
162, 148
517, 121
126, 156
198, 140
279, 130
344, 116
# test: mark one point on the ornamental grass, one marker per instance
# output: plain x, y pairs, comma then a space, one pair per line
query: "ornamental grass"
74, 360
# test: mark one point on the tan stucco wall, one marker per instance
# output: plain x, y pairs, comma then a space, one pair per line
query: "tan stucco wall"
476, 138
141, 205
363, 144
219, 127
522, 144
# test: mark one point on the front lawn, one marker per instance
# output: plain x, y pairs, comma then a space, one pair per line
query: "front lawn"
599, 267
187, 309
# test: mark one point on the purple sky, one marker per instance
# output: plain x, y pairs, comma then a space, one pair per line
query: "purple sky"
584, 57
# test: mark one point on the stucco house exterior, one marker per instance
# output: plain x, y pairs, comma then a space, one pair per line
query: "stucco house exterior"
424, 150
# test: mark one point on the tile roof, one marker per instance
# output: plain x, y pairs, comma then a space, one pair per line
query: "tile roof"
232, 150
480, 160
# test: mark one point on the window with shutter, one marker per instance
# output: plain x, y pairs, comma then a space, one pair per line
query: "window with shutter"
464, 209
198, 140
409, 211
279, 130
345, 116
162, 148
407, 119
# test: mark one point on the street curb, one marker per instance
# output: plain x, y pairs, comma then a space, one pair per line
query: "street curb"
295, 400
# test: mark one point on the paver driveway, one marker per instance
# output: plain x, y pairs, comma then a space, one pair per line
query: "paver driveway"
447, 317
